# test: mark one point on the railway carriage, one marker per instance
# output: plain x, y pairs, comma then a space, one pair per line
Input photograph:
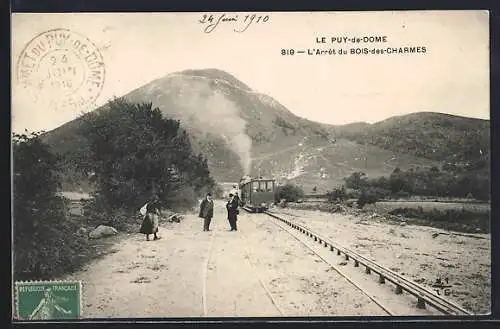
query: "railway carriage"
257, 194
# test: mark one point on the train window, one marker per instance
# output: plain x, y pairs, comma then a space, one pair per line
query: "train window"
255, 186
269, 186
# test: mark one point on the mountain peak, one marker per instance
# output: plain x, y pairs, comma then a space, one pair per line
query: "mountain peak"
213, 74
430, 115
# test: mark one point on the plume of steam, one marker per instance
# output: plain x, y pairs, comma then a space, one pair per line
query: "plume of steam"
216, 114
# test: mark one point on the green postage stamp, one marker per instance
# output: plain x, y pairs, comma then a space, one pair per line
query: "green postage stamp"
48, 300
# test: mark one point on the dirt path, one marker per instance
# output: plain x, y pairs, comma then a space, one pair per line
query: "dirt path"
255, 272
148, 278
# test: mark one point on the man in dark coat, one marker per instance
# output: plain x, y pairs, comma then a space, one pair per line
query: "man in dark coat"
207, 211
232, 211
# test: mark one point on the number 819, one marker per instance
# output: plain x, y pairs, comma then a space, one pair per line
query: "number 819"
287, 52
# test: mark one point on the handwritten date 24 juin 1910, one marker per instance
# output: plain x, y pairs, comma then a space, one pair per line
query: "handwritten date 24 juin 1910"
240, 22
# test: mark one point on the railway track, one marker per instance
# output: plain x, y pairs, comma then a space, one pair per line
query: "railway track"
424, 296
204, 276
270, 295
261, 282
248, 258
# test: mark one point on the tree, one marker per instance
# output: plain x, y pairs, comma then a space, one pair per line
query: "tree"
35, 168
397, 180
35, 183
40, 226
366, 197
136, 153
356, 181
337, 194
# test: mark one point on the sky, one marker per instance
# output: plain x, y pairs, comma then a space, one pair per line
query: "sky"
451, 76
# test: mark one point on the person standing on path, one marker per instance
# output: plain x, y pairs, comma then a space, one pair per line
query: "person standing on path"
207, 211
232, 211
150, 222
235, 192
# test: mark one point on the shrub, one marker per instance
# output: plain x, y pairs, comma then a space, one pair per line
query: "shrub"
402, 194
338, 194
454, 219
379, 193
288, 192
43, 235
366, 197
356, 181
184, 198
453, 180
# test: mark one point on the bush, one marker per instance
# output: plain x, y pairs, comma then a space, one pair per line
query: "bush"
366, 197
184, 199
454, 219
356, 181
288, 192
451, 181
402, 194
338, 194
379, 193
43, 235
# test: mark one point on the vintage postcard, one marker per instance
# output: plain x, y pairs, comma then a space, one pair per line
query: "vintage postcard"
251, 164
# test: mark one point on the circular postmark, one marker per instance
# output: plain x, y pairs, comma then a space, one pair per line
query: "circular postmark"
61, 68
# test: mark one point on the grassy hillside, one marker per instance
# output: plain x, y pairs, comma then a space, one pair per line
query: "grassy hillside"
435, 136
242, 131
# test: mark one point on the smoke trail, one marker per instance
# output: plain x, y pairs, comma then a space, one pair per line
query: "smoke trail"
215, 114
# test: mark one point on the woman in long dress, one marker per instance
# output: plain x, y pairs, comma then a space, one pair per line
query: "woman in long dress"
151, 219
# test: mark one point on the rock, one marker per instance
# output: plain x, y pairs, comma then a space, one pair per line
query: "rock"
175, 218
102, 231
336, 208
434, 235
403, 224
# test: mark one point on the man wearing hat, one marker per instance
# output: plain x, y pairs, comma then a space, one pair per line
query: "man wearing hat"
207, 211
232, 211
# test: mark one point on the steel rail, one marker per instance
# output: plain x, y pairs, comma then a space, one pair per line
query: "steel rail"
424, 296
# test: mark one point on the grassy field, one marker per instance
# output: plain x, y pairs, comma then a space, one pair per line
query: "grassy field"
465, 217
388, 206
453, 216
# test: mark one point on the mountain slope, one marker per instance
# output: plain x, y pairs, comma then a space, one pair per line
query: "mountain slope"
242, 131
436, 136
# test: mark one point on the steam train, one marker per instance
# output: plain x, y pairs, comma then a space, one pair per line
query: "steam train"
256, 194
